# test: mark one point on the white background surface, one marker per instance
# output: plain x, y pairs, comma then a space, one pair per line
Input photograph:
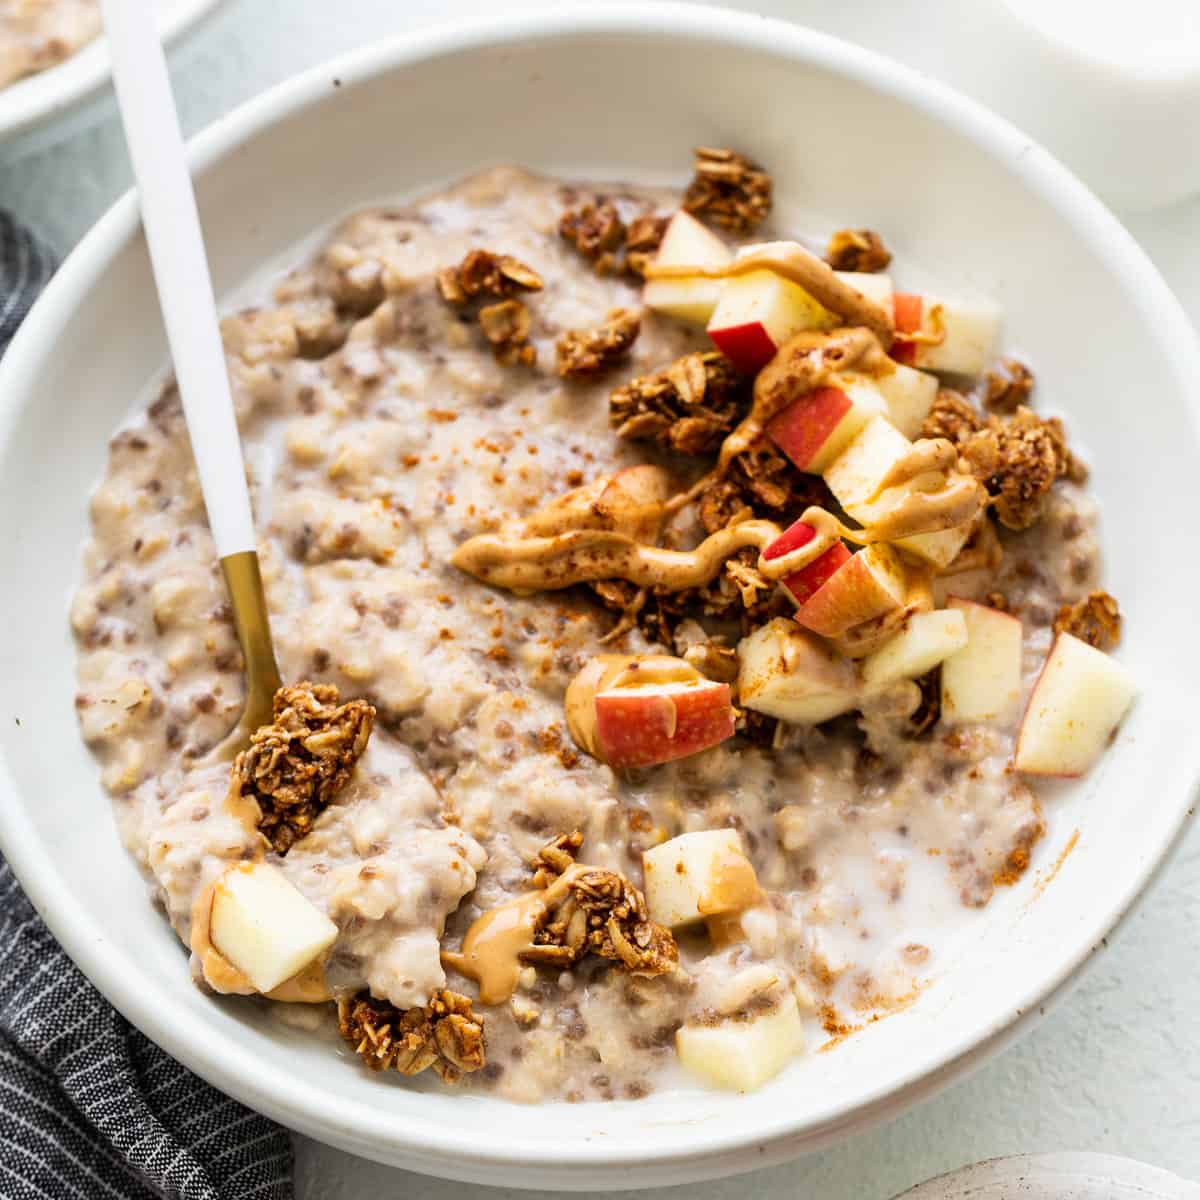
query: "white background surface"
1117, 1066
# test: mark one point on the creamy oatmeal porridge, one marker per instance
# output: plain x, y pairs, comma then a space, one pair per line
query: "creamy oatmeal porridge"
38, 34
629, 744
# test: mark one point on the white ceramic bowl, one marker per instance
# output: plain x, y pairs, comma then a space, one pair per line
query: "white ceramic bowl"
850, 138
50, 94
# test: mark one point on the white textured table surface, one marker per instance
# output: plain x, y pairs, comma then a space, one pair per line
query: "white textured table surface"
1116, 1066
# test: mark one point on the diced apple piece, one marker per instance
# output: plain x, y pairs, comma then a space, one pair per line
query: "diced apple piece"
265, 926
687, 243
659, 722
982, 681
814, 430
854, 478
910, 395
869, 584
955, 337
802, 583
1078, 701
741, 1054
927, 639
787, 672
757, 313
875, 286
698, 875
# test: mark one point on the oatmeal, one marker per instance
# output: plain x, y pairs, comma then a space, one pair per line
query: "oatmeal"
592, 763
38, 34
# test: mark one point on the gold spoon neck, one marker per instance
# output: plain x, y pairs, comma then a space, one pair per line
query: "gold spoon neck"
243, 579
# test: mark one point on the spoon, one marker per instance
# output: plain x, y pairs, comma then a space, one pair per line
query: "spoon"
185, 295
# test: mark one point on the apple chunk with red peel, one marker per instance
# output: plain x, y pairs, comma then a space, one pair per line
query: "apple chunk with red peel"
981, 683
870, 583
698, 875
802, 583
953, 337
687, 243
1079, 699
758, 312
640, 709
818, 427
789, 673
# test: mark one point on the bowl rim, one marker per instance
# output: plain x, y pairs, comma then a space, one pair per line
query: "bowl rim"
394, 1136
35, 100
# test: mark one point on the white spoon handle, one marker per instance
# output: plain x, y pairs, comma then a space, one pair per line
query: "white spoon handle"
180, 267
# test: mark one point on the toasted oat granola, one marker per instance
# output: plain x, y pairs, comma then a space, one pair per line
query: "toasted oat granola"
728, 190
584, 352
295, 766
596, 230
952, 417
761, 482
1019, 461
688, 406
484, 274
857, 250
506, 325
602, 914
444, 1034
1096, 619
1006, 386
642, 240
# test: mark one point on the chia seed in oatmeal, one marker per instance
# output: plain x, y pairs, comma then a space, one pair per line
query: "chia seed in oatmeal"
482, 860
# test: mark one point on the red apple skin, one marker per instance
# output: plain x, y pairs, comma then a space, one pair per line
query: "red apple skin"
804, 583
851, 595
804, 427
797, 534
644, 727
749, 347
908, 311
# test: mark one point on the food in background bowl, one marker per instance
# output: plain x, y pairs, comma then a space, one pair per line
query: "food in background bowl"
662, 692
38, 34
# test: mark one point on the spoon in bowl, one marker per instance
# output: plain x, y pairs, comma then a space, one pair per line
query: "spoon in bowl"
185, 293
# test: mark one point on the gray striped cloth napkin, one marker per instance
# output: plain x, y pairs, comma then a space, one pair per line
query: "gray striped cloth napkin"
89, 1108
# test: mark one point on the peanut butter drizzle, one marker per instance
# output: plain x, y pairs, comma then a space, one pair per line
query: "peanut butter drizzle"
307, 986
534, 564
220, 974
608, 671
813, 274
491, 951
733, 886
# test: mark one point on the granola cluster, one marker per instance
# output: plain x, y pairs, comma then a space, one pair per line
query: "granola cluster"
1096, 619
603, 913
1018, 459
583, 352
1006, 386
728, 190
498, 277
857, 250
596, 230
444, 1034
688, 406
295, 766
